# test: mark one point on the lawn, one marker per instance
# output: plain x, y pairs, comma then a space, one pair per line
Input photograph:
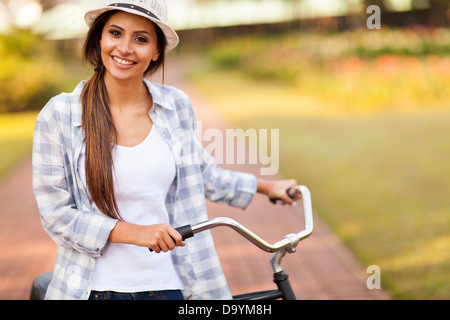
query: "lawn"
382, 184
16, 138
377, 169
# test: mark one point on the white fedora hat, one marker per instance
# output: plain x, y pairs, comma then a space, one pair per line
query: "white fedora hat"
154, 10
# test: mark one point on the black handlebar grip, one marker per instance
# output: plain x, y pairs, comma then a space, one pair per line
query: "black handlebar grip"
185, 232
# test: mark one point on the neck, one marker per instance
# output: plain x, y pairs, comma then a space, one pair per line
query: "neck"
124, 94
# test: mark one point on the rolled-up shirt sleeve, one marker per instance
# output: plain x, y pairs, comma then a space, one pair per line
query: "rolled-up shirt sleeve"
235, 189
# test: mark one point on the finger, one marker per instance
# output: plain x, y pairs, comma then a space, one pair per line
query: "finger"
282, 199
172, 238
155, 248
165, 244
286, 198
176, 237
294, 194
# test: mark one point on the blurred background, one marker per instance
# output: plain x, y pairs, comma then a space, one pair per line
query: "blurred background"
363, 112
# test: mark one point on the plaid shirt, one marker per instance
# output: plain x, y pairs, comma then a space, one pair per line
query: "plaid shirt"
82, 232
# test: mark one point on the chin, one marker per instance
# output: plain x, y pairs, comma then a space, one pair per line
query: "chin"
122, 76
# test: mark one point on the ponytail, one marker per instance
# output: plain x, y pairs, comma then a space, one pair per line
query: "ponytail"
100, 139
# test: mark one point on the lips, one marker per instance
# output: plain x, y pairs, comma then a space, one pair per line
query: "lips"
123, 62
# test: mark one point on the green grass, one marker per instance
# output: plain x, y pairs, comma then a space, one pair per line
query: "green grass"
16, 138
382, 184
379, 179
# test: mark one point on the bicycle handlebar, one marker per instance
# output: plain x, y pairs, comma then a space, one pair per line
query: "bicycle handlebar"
289, 242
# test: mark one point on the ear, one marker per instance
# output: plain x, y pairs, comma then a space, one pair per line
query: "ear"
155, 56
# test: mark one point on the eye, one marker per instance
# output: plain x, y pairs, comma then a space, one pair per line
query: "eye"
141, 39
115, 33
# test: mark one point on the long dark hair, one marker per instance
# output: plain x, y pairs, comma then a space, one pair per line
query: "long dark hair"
97, 121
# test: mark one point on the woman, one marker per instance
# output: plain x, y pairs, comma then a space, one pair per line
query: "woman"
116, 165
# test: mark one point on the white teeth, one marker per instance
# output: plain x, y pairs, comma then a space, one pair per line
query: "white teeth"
125, 62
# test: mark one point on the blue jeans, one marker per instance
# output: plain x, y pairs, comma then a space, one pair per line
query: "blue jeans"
149, 295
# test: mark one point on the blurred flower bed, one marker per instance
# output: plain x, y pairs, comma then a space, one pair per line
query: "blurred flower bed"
353, 70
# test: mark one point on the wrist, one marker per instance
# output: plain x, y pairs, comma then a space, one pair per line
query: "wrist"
264, 186
124, 232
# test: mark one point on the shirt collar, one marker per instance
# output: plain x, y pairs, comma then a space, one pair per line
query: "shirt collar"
76, 108
159, 97
156, 90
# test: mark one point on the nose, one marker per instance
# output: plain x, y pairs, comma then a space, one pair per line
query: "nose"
125, 46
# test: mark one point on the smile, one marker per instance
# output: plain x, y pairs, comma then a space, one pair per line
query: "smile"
123, 61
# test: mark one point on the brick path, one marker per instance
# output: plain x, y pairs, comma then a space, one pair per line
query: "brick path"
322, 268
26, 250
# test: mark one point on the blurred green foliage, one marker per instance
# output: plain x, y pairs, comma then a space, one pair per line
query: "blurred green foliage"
355, 70
32, 70
287, 53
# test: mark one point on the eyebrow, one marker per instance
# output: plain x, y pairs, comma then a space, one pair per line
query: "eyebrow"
118, 27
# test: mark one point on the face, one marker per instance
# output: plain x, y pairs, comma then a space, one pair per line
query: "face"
128, 46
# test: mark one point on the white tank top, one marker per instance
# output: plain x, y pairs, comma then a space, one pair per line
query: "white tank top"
143, 175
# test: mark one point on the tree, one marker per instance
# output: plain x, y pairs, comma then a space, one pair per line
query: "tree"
439, 10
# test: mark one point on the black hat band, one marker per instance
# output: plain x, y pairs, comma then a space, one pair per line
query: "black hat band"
134, 7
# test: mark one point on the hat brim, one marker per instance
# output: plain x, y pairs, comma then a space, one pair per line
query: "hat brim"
172, 38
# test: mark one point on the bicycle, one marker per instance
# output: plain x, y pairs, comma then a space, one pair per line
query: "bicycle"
287, 245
